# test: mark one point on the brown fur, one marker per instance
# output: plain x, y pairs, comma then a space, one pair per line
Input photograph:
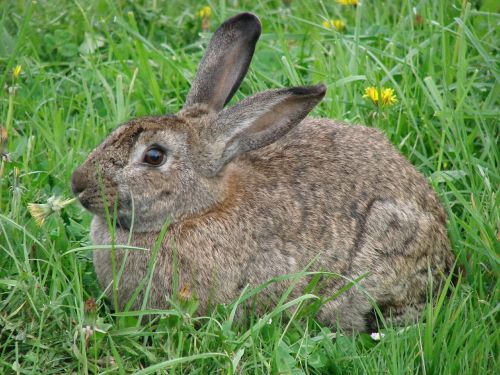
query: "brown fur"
257, 191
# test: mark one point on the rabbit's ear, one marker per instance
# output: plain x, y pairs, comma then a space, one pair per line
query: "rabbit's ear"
225, 62
259, 121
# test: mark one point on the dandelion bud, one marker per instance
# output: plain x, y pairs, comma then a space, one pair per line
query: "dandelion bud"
17, 71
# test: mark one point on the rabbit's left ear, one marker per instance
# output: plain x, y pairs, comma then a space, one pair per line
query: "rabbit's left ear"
256, 122
225, 62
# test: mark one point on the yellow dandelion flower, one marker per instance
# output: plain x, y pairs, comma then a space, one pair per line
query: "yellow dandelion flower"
372, 94
348, 2
385, 97
17, 71
338, 25
204, 12
388, 97
42, 211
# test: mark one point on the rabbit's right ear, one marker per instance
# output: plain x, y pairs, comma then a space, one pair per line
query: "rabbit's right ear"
256, 122
225, 62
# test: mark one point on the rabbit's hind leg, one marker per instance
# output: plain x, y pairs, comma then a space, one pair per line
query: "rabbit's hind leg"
399, 251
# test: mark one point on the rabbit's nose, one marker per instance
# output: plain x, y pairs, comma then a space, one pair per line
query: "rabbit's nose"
78, 182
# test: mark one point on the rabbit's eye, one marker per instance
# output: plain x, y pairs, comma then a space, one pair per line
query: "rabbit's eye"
154, 156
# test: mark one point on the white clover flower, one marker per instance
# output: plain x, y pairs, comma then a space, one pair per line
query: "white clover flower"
377, 336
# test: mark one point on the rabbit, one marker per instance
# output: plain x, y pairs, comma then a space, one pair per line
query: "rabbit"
257, 190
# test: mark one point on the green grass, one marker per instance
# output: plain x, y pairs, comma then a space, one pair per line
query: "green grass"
89, 65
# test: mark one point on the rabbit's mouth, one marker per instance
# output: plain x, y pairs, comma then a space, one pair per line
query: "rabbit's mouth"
123, 219
91, 206
97, 204
85, 202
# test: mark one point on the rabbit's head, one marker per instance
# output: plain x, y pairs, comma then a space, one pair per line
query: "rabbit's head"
170, 167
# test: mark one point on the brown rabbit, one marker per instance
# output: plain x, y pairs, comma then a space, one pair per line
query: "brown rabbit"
257, 190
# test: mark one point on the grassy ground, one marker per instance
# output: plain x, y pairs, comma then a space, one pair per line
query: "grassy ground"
90, 65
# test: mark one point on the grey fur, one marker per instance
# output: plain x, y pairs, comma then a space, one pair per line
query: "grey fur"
256, 191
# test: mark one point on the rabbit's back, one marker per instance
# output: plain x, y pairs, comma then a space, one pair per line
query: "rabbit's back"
324, 177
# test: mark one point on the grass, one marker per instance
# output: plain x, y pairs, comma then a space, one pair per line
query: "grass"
88, 66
